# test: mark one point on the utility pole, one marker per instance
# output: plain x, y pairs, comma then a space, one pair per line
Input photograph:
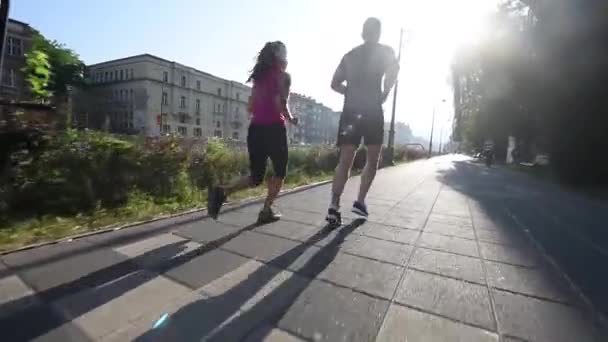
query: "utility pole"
432, 132
440, 138
391, 133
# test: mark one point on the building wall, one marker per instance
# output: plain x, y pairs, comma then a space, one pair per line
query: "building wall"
127, 97
318, 123
196, 104
18, 41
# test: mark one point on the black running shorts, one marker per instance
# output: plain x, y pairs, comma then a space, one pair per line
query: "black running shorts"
355, 126
263, 142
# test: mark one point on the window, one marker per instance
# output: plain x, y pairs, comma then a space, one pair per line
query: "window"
111, 76
182, 130
219, 91
182, 102
122, 74
198, 121
9, 77
131, 119
235, 135
198, 106
198, 85
131, 73
218, 124
217, 134
198, 132
182, 118
238, 96
165, 76
131, 94
116, 75
15, 46
106, 77
183, 81
166, 129
165, 100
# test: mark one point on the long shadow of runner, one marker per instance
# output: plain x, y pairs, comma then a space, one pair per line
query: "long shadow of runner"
110, 283
219, 318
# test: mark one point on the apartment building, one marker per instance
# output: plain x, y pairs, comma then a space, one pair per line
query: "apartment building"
18, 41
150, 95
318, 123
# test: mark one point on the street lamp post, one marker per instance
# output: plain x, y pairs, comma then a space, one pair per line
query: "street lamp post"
391, 133
433, 131
440, 138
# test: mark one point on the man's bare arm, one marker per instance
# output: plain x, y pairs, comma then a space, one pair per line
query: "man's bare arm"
337, 82
390, 76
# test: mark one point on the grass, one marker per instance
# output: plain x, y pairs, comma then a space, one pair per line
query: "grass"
139, 208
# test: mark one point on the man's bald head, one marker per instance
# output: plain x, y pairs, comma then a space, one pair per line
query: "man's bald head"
371, 30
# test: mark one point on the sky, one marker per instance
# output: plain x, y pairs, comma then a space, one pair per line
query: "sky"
223, 37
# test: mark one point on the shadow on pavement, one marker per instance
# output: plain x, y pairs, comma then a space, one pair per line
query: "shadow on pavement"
39, 319
571, 229
220, 318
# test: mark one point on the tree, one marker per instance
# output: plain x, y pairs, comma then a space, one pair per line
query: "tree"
63, 67
38, 74
540, 76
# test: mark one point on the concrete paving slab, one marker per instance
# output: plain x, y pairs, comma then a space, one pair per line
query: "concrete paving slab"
324, 312
449, 244
389, 233
456, 299
537, 320
100, 311
205, 268
405, 324
457, 266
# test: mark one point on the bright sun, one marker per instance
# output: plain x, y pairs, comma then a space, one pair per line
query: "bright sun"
448, 24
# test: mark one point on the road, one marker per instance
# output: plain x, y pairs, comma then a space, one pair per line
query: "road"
452, 251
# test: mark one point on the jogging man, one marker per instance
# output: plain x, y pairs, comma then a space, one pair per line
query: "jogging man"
359, 78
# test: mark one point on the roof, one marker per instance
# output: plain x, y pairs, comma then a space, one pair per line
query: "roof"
18, 22
147, 55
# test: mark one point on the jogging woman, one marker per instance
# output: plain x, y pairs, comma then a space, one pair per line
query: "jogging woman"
267, 136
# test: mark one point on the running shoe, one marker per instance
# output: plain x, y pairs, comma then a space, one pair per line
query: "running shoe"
268, 215
334, 218
360, 209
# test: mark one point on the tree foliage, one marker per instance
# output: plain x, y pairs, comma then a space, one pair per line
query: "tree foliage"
38, 74
539, 75
51, 68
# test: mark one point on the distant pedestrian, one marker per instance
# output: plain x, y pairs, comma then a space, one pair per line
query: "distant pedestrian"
267, 135
359, 77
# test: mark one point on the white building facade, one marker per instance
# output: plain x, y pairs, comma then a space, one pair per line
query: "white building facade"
153, 96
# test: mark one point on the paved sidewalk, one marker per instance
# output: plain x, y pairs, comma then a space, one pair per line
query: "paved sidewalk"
432, 264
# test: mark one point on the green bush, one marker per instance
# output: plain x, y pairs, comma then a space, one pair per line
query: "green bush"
83, 172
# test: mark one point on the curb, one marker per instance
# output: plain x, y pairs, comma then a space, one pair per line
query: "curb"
108, 229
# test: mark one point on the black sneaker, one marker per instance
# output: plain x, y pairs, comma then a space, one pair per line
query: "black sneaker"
334, 218
268, 216
360, 209
215, 198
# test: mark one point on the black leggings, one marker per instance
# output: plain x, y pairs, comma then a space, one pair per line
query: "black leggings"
263, 142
